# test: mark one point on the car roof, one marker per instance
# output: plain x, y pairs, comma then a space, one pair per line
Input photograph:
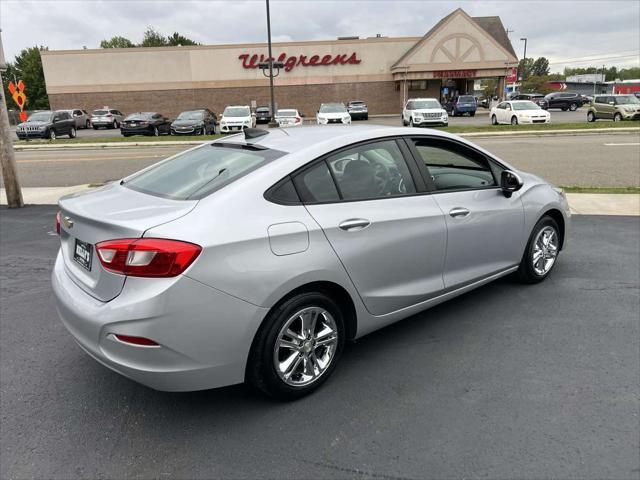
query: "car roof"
297, 139
422, 98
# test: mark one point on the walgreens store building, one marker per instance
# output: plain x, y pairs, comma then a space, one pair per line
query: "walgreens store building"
381, 71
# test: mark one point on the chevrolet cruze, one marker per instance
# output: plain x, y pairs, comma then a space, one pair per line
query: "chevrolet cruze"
257, 256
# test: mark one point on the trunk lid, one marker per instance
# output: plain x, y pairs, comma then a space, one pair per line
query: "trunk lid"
111, 212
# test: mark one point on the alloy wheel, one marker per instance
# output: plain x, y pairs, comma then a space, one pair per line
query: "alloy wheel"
545, 250
305, 346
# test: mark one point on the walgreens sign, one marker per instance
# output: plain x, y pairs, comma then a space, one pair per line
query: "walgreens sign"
291, 61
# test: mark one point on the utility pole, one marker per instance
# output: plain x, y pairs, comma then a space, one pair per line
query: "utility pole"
273, 122
524, 56
7, 157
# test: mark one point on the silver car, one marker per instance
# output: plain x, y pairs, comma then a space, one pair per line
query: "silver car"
106, 117
81, 118
257, 256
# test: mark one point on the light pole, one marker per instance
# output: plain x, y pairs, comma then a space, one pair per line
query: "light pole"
272, 123
524, 57
7, 157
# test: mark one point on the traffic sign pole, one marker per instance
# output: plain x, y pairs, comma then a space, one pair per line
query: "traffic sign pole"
7, 156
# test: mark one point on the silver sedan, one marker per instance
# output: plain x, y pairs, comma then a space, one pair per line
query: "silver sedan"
257, 256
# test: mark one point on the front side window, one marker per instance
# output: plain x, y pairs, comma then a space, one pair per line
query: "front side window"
374, 170
197, 173
452, 167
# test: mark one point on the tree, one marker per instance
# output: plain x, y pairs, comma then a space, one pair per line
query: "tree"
525, 68
536, 84
153, 38
117, 42
540, 67
490, 88
28, 67
176, 39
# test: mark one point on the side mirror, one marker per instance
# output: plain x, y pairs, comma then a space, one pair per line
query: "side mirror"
510, 182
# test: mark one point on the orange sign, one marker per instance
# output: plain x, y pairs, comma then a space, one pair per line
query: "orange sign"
17, 93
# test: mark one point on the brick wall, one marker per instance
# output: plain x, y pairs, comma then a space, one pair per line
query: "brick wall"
381, 97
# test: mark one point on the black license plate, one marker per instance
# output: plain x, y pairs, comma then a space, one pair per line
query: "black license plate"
83, 253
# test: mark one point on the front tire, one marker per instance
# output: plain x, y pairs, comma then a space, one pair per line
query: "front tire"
411, 123
52, 134
494, 120
72, 132
591, 117
297, 347
617, 117
573, 107
156, 132
514, 120
541, 253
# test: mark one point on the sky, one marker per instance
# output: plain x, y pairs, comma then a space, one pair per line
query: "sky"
568, 33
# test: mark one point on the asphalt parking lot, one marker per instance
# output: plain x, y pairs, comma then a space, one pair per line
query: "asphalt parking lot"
508, 381
481, 118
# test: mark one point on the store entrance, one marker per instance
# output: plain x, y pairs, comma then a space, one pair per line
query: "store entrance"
452, 87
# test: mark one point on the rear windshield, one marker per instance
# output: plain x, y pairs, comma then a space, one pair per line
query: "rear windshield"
287, 113
140, 116
100, 112
197, 173
466, 98
262, 109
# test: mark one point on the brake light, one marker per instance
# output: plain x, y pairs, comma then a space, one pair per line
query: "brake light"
58, 222
297, 120
147, 257
109, 115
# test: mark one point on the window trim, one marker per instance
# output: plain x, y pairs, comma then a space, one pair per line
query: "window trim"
424, 170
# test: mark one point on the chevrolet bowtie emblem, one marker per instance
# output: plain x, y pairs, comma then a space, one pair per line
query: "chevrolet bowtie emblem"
67, 222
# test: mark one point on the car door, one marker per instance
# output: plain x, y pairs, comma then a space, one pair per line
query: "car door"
484, 228
389, 235
501, 112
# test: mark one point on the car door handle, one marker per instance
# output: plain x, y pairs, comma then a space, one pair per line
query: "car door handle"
354, 224
458, 212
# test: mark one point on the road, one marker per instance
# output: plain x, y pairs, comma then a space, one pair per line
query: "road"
611, 160
481, 118
508, 381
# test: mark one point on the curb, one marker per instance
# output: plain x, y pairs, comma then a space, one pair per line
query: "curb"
528, 133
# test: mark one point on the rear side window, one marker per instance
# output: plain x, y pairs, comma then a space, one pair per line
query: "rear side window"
198, 173
316, 185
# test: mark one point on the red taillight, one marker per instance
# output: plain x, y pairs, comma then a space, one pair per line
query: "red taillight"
109, 115
298, 120
146, 342
58, 223
147, 257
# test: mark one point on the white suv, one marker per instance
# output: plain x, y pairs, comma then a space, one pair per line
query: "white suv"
424, 111
237, 118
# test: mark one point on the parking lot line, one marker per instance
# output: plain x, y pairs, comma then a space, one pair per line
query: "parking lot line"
621, 144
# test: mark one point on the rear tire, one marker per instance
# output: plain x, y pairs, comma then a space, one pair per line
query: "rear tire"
266, 362
156, 132
95, 127
530, 270
573, 107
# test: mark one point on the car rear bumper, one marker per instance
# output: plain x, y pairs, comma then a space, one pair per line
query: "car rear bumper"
102, 123
358, 115
204, 334
136, 131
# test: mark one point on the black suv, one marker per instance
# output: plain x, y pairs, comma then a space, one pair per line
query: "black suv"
47, 124
536, 98
566, 101
263, 115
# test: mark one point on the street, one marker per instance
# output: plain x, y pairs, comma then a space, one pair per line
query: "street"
508, 381
604, 160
